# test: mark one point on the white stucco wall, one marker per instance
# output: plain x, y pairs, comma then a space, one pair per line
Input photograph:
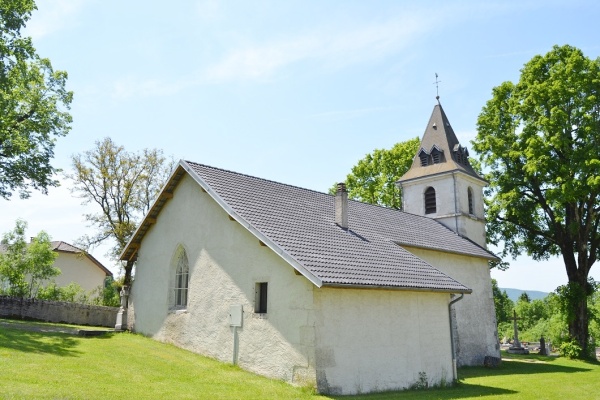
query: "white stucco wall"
377, 340
451, 210
340, 340
79, 269
225, 262
475, 315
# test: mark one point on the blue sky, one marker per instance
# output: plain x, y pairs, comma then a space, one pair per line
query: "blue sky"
293, 91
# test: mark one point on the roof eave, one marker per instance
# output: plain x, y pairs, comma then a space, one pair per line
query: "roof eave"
491, 257
466, 290
451, 171
130, 250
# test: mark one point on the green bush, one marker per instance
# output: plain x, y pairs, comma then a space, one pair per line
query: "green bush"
73, 293
570, 349
107, 294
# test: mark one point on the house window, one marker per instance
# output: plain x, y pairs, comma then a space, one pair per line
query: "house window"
182, 273
430, 207
470, 196
260, 297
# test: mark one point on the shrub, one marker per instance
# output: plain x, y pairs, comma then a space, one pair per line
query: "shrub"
570, 349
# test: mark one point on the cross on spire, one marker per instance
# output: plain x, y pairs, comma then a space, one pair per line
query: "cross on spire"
437, 93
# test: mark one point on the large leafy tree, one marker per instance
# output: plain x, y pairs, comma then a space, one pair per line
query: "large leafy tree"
373, 178
33, 107
121, 185
25, 266
503, 304
539, 139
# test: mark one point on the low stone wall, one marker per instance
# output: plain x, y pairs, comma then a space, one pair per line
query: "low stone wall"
58, 311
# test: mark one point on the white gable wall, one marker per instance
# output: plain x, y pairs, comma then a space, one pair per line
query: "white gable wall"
79, 269
225, 262
477, 335
378, 340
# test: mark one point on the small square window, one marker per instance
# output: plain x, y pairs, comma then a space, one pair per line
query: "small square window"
260, 297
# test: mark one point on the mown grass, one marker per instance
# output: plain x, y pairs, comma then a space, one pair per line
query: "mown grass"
50, 365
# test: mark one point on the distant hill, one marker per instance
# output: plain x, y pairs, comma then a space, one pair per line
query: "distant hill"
514, 294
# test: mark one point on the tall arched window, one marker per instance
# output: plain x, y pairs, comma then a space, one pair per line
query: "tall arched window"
470, 196
430, 207
181, 282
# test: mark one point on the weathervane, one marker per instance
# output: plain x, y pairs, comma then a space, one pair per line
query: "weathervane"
437, 93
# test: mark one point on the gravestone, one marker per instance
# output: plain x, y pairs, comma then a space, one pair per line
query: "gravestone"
543, 351
516, 347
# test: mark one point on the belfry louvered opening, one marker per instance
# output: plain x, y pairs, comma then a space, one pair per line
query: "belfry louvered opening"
430, 206
424, 157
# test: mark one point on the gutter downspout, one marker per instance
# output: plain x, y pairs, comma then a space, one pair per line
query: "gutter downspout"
454, 370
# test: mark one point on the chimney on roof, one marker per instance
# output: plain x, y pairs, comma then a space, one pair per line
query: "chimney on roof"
341, 206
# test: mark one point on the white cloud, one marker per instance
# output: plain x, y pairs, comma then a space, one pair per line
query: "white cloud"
52, 16
324, 48
337, 49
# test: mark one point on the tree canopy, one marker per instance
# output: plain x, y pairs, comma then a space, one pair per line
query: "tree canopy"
33, 107
121, 185
539, 140
373, 178
25, 266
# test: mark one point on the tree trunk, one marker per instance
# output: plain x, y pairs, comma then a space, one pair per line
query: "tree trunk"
128, 268
578, 314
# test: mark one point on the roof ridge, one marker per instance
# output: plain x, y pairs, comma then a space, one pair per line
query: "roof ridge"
258, 178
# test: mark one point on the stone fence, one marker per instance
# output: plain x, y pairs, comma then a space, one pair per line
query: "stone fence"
58, 311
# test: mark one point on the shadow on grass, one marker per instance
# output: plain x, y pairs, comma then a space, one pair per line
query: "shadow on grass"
460, 391
519, 367
60, 344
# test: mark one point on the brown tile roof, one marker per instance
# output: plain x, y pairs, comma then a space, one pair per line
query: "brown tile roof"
298, 224
439, 133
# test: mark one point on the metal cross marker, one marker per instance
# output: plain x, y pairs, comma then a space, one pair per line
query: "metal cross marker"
437, 93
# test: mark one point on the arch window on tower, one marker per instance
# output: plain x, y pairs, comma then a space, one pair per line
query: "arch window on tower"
470, 198
430, 206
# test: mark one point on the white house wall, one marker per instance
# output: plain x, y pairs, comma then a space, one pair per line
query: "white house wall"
378, 340
79, 269
475, 314
225, 262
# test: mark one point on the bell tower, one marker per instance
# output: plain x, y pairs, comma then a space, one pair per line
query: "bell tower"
442, 184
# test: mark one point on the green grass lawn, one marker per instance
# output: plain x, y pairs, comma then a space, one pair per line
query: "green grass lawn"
42, 364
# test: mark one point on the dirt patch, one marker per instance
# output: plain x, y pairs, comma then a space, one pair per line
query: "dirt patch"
36, 327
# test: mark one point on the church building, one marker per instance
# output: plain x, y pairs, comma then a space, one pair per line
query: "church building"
317, 289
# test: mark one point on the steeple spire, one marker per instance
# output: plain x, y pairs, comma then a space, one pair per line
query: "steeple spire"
440, 150
437, 92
